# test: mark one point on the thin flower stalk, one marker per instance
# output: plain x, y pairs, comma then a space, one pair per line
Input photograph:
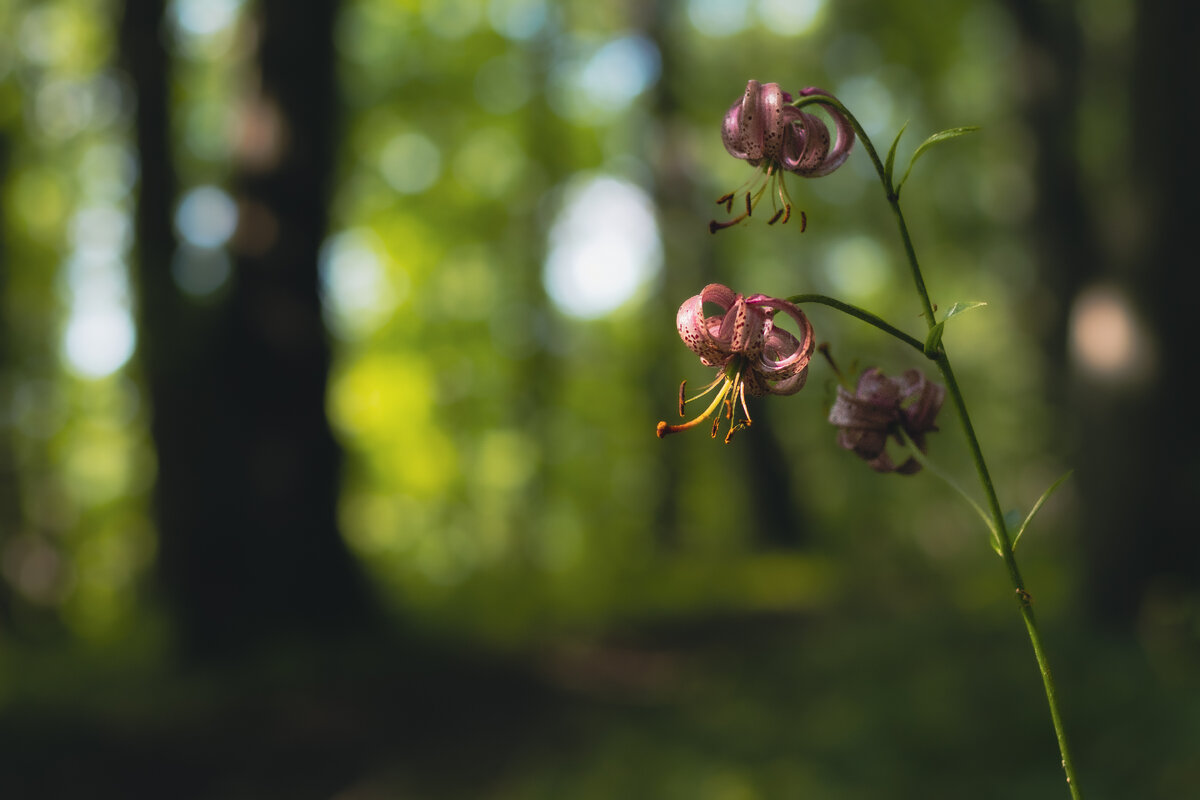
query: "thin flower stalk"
940, 357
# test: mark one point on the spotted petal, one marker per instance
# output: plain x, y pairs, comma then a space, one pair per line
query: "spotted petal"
783, 354
744, 328
700, 334
754, 126
829, 159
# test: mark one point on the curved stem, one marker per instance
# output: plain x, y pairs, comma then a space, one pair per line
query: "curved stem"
892, 197
942, 359
863, 314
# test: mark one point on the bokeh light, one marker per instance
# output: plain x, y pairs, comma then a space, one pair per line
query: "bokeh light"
604, 246
1107, 340
206, 217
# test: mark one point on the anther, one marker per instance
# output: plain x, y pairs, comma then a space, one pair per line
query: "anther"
714, 226
682, 401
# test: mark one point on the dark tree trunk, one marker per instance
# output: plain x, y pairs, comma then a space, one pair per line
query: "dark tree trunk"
1142, 510
1134, 450
248, 470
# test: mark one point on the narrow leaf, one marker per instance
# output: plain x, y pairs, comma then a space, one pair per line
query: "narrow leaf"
934, 339
946, 135
925, 462
890, 163
1038, 505
959, 308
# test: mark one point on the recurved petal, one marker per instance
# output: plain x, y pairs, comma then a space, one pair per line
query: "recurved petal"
718, 294
774, 111
925, 401
732, 134
866, 444
835, 157
852, 412
783, 354
703, 335
695, 333
845, 135
805, 145
878, 389
742, 131
791, 384
744, 328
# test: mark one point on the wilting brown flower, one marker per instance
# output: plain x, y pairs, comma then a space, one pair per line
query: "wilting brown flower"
880, 408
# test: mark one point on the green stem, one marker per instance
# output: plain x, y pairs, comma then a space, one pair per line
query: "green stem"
942, 359
863, 314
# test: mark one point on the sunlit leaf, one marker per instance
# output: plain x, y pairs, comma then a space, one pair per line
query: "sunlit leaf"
934, 339
959, 308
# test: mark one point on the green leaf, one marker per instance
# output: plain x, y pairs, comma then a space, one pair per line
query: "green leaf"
959, 308
1038, 505
946, 135
925, 462
934, 339
890, 164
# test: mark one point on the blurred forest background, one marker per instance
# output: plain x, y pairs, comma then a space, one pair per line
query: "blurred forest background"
332, 340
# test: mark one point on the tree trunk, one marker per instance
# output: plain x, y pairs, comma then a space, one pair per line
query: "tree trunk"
248, 470
1134, 449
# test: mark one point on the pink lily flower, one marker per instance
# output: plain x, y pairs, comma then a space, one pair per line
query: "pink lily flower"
766, 131
751, 354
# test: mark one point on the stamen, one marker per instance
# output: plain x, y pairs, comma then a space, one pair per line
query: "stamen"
731, 395
803, 221
742, 397
749, 205
712, 385
714, 226
663, 428
735, 428
682, 401
727, 201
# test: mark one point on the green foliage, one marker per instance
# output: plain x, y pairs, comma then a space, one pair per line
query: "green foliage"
1038, 506
933, 340
502, 480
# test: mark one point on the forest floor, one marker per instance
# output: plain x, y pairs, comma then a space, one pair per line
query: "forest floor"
764, 706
